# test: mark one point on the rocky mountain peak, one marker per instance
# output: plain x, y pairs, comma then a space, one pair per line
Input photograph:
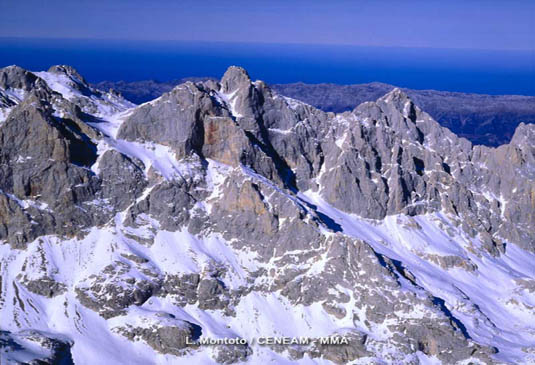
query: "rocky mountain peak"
68, 71
187, 216
235, 78
15, 77
397, 100
524, 135
68, 75
396, 94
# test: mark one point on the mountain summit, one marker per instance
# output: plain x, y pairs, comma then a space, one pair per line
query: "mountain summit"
225, 210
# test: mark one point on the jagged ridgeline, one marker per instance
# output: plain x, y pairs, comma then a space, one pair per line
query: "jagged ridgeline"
224, 210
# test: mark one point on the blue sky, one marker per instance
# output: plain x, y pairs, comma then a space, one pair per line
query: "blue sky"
469, 24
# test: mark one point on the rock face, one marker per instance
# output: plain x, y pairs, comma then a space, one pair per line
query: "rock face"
33, 347
489, 120
223, 210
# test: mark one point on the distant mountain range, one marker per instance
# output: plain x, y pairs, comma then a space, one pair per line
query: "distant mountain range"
483, 119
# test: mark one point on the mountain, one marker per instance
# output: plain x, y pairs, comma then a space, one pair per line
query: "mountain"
488, 120
223, 210
146, 90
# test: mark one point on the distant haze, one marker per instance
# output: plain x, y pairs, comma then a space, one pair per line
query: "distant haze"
479, 71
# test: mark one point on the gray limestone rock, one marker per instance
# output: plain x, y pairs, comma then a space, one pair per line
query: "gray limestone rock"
43, 162
14, 77
175, 119
123, 179
171, 203
36, 346
45, 286
168, 336
231, 354
244, 157
343, 353
183, 288
115, 288
212, 294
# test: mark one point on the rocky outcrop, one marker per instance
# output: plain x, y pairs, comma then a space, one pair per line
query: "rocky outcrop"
384, 158
163, 337
116, 288
35, 347
44, 160
223, 206
123, 179
488, 120
14, 77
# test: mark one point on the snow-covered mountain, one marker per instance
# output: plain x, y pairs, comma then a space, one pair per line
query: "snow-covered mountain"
489, 120
225, 210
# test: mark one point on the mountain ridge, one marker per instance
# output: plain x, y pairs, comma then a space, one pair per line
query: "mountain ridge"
483, 119
218, 202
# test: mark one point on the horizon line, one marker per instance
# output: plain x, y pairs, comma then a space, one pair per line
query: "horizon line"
402, 88
266, 43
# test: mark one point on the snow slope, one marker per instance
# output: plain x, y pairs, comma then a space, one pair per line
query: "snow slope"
486, 295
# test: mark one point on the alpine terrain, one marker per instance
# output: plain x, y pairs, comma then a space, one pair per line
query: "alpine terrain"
490, 120
223, 210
